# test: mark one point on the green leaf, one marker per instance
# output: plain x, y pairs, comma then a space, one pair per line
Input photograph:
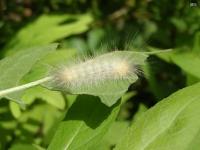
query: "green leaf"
191, 79
141, 109
113, 136
172, 124
84, 125
47, 29
196, 46
95, 37
15, 109
189, 62
179, 23
29, 123
24, 146
14, 67
52, 97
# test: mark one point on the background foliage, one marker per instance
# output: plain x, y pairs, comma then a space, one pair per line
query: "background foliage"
142, 119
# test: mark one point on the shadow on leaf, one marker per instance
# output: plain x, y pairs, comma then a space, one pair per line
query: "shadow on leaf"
89, 109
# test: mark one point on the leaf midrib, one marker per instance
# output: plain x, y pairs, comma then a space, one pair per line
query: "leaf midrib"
72, 138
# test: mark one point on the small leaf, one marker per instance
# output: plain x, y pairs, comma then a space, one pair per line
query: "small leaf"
15, 109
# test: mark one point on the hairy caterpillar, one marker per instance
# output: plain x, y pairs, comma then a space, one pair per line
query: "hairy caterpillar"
113, 66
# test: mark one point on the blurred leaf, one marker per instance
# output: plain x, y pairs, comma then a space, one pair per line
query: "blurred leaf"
59, 57
150, 28
77, 43
95, 38
191, 79
12, 71
15, 109
38, 147
23, 147
126, 101
35, 123
127, 96
54, 98
84, 125
172, 124
189, 62
196, 47
179, 23
47, 29
52, 124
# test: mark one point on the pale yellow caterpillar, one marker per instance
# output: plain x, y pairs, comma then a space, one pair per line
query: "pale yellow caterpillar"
113, 66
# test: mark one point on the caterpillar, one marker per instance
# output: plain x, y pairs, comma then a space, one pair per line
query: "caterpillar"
113, 66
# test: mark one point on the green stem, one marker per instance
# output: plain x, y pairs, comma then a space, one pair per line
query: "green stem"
24, 86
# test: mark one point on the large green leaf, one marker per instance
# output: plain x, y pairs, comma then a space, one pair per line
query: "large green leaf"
47, 29
84, 125
172, 124
14, 67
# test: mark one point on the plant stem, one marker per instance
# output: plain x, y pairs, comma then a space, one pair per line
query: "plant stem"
24, 86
